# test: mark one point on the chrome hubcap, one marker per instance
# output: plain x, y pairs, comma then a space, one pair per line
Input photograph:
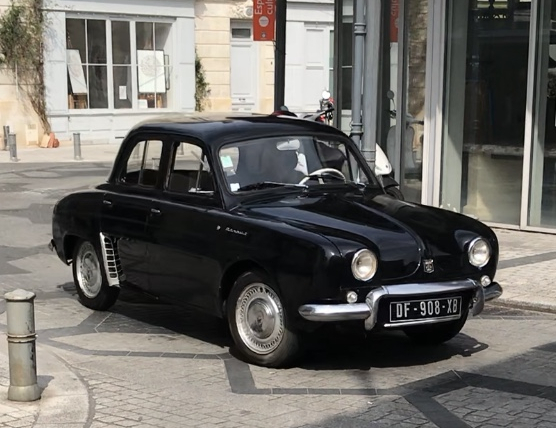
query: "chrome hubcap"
89, 277
260, 319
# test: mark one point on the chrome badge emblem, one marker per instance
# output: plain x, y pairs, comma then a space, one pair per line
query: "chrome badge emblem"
428, 266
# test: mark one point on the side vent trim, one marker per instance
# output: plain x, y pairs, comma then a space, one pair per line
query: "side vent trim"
112, 265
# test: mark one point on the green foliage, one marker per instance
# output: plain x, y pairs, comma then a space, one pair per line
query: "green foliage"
21, 47
201, 85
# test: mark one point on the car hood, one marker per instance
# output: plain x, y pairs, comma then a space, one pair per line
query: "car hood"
401, 233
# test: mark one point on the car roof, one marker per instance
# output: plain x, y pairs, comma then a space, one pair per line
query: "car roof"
215, 129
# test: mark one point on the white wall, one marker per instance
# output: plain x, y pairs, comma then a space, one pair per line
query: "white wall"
307, 53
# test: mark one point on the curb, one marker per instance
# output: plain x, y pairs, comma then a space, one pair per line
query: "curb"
65, 397
526, 306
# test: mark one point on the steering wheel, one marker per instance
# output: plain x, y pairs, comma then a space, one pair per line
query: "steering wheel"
321, 171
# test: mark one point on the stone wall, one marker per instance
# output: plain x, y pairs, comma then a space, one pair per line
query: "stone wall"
15, 111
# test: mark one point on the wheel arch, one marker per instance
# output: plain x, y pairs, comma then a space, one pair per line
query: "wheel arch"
232, 273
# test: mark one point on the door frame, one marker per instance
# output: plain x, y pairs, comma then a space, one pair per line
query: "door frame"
246, 24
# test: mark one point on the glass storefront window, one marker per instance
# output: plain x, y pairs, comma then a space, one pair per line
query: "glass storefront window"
485, 108
542, 194
91, 59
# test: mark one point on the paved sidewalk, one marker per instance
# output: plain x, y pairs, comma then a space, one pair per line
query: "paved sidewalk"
64, 398
65, 153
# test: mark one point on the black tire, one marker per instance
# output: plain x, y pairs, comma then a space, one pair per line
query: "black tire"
106, 295
285, 346
395, 192
435, 334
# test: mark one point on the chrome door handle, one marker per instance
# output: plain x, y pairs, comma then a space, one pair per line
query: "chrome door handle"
107, 202
155, 211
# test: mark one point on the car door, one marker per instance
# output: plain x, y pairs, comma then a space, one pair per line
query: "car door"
184, 255
127, 205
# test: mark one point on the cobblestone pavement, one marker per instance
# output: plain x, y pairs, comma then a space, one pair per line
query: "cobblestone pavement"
147, 364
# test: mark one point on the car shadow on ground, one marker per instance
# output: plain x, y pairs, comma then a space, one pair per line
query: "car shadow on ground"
329, 348
340, 350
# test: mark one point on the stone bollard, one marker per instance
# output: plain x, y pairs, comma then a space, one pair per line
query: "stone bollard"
77, 146
12, 143
21, 346
5, 140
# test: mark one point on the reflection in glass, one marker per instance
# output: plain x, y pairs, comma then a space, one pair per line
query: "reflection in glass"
484, 117
96, 41
414, 85
98, 87
123, 90
542, 200
121, 49
144, 35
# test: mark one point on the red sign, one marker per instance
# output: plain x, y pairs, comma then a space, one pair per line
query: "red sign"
394, 13
264, 20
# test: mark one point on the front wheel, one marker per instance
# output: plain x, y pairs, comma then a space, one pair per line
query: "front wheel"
395, 192
258, 322
435, 334
90, 280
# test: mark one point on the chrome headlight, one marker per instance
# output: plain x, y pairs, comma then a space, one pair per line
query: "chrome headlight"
364, 265
479, 252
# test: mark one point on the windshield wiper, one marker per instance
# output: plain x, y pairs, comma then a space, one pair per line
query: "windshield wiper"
267, 185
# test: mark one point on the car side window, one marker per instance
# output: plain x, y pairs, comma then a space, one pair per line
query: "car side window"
190, 171
142, 167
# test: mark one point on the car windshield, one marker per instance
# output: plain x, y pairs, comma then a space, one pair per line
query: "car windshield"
290, 161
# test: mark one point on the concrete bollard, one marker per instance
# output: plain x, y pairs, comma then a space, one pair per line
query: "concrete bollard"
77, 146
5, 140
20, 310
12, 143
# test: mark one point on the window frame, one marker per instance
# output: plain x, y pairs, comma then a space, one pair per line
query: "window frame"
108, 19
125, 157
213, 199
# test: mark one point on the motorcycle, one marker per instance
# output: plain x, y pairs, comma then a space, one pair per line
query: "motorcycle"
383, 168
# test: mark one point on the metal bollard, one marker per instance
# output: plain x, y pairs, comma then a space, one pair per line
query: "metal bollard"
77, 146
5, 141
12, 143
180, 149
21, 346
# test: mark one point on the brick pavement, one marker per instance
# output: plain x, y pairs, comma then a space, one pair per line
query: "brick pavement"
145, 364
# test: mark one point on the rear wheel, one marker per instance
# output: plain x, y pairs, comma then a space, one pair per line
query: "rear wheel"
435, 334
90, 279
258, 323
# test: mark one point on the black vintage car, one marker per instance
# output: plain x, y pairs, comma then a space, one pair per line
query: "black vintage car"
277, 225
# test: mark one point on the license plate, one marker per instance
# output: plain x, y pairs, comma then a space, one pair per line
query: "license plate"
423, 309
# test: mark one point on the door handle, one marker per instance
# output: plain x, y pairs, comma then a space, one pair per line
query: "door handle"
155, 211
107, 202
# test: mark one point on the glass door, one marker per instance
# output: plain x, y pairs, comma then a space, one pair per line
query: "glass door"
404, 52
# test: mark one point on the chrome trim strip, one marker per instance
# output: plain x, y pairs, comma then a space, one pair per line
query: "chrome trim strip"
369, 310
423, 321
111, 261
353, 311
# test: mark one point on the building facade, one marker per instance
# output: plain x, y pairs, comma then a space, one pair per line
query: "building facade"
240, 71
482, 76
109, 65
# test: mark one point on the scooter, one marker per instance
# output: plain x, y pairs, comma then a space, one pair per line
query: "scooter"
383, 168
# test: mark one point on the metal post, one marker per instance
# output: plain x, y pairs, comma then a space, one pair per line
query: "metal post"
359, 31
22, 346
372, 63
77, 146
5, 141
280, 54
12, 143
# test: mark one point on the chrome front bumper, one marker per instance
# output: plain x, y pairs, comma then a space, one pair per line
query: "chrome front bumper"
368, 311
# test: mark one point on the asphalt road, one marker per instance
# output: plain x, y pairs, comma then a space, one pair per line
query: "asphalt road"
150, 364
